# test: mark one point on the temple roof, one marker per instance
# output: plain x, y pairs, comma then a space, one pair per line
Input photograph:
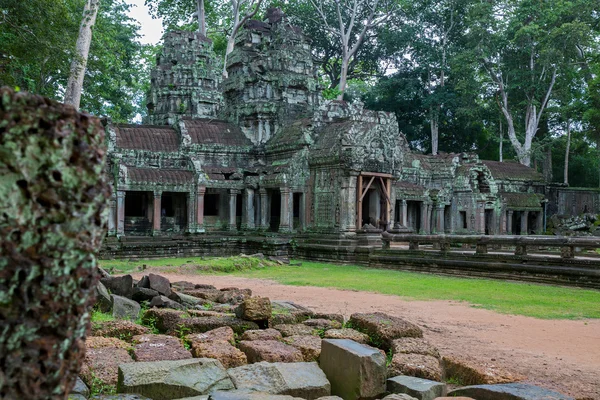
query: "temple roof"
210, 131
523, 200
147, 137
155, 175
512, 171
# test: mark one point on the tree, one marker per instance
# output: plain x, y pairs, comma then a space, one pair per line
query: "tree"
522, 46
82, 51
241, 11
350, 21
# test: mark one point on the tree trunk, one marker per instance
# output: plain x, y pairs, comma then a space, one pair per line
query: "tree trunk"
566, 177
201, 18
343, 78
435, 125
82, 51
501, 156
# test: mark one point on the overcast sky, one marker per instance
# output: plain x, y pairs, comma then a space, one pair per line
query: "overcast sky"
151, 30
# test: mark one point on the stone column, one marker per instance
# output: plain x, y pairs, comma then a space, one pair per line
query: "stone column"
120, 212
423, 227
284, 216
200, 208
481, 218
539, 223
248, 220
156, 214
440, 219
232, 208
112, 215
404, 213
191, 212
502, 229
264, 198
303, 212
509, 221
348, 204
429, 218
524, 227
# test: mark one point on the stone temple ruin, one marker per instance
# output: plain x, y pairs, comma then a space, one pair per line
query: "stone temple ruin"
261, 151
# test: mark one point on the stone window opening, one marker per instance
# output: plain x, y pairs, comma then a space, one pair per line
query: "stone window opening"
275, 210
297, 222
174, 211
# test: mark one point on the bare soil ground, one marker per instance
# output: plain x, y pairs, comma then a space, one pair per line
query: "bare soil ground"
562, 355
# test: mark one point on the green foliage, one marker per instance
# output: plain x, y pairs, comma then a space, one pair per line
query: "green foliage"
99, 387
454, 380
149, 322
99, 317
388, 358
211, 264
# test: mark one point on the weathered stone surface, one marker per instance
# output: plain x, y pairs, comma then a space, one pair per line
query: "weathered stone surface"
254, 309
122, 329
53, 192
330, 398
182, 285
102, 359
203, 313
508, 391
270, 351
303, 380
143, 294
103, 299
331, 316
416, 365
159, 283
166, 380
295, 330
298, 312
165, 302
233, 295
186, 300
347, 333
119, 285
321, 323
262, 334
158, 348
422, 389
414, 345
472, 372
399, 397
383, 328
119, 397
124, 308
223, 334
206, 294
454, 398
80, 388
249, 395
205, 324
165, 320
225, 352
309, 345
355, 370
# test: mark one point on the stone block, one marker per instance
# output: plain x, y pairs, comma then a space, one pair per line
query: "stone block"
165, 320
165, 302
473, 372
166, 380
102, 359
119, 285
186, 300
255, 309
223, 334
270, 351
205, 324
305, 380
80, 388
322, 323
226, 353
158, 348
233, 295
422, 389
347, 333
295, 330
416, 365
383, 328
119, 397
411, 345
143, 294
103, 299
121, 329
508, 391
396, 396
356, 371
159, 283
262, 334
309, 346
249, 395
206, 294
124, 308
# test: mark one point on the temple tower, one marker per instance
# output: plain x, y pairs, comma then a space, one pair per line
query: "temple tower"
185, 81
271, 77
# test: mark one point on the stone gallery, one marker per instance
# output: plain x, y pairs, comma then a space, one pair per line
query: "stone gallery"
262, 151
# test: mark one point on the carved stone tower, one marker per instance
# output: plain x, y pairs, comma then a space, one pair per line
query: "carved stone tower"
271, 77
185, 81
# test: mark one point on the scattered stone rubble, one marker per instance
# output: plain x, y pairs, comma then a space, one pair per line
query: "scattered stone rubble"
232, 346
579, 225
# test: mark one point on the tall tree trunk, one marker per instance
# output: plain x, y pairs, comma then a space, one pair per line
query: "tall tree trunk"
343, 78
501, 156
201, 18
435, 125
566, 177
82, 51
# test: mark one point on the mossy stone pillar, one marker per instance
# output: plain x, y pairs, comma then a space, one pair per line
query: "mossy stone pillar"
53, 198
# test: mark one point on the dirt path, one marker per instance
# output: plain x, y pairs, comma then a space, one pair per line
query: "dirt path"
558, 354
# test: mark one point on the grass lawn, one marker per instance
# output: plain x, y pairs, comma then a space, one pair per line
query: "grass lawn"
540, 301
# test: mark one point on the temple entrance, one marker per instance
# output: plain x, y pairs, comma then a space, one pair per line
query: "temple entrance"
489, 222
173, 211
138, 213
239, 206
297, 216
516, 223
532, 218
274, 210
413, 215
373, 200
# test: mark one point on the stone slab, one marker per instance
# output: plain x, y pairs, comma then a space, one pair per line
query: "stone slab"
508, 391
422, 389
124, 308
166, 380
